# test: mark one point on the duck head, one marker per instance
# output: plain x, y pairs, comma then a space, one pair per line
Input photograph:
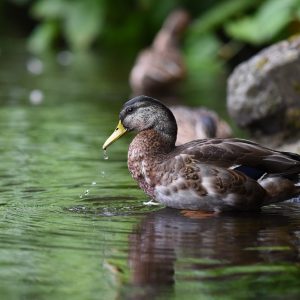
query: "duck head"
144, 113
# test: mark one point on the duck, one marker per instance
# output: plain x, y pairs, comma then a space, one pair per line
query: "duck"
212, 175
158, 68
198, 123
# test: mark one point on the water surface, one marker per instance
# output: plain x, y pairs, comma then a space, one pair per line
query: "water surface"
73, 225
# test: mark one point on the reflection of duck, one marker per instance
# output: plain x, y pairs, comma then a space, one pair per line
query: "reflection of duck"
212, 174
161, 65
166, 244
198, 123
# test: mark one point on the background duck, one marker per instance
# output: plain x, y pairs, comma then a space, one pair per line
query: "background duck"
198, 123
161, 66
207, 174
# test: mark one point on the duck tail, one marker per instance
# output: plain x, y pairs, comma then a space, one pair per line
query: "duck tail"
292, 155
279, 189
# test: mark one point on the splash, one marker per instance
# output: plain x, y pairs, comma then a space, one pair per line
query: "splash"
86, 192
105, 156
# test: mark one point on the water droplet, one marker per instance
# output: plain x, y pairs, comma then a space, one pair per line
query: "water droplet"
86, 192
94, 183
105, 156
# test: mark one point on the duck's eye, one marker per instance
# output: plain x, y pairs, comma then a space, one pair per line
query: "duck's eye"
129, 110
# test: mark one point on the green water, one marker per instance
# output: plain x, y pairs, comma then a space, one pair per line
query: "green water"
73, 225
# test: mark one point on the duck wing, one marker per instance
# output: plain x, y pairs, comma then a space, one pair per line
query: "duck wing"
243, 155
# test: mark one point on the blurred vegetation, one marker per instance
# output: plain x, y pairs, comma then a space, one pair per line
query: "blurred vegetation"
222, 33
82, 24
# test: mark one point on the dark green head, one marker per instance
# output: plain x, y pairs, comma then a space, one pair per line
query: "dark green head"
143, 113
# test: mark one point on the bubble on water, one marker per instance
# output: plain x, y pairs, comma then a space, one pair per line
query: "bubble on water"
105, 156
65, 58
36, 97
35, 66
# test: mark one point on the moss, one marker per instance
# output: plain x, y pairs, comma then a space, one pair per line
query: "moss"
261, 63
296, 86
293, 118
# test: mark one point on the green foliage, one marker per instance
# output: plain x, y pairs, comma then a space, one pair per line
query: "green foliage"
43, 36
219, 13
266, 23
81, 30
201, 52
202, 45
82, 23
131, 24
54, 9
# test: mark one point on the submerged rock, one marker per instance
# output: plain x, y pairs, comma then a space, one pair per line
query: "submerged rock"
264, 92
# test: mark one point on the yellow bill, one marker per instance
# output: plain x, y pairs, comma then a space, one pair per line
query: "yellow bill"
119, 131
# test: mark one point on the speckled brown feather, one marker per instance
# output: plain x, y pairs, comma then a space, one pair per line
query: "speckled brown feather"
152, 163
230, 152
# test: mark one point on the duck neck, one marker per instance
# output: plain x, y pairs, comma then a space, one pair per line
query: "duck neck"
151, 143
164, 41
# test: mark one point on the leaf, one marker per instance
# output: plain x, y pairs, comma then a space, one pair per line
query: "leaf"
202, 52
219, 13
205, 70
84, 23
49, 9
43, 36
268, 22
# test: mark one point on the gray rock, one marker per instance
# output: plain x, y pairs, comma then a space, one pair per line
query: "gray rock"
291, 146
264, 92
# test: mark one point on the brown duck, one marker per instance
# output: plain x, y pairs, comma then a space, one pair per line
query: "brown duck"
198, 123
160, 66
205, 174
